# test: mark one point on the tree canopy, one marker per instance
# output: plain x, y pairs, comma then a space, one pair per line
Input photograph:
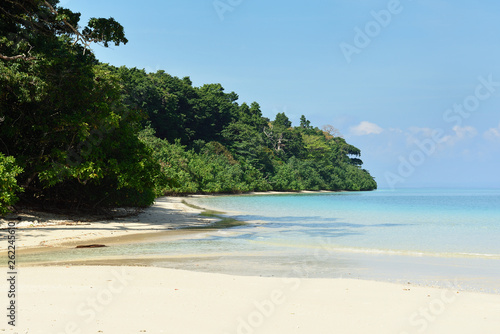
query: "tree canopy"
78, 133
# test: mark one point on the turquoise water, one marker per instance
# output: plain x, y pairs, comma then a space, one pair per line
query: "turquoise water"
412, 222
428, 236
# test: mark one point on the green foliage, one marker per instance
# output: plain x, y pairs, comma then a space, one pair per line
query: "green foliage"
63, 115
8, 183
248, 145
105, 31
304, 123
212, 170
297, 175
91, 135
105, 155
279, 156
176, 109
282, 121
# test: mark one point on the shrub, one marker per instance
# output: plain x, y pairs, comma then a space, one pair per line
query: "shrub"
8, 183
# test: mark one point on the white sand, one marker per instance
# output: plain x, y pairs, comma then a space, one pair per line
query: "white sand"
156, 300
167, 213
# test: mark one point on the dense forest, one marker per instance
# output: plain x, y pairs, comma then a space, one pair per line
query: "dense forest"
78, 133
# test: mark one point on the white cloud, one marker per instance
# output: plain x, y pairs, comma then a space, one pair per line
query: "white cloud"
461, 133
426, 132
465, 132
395, 130
416, 134
366, 128
493, 133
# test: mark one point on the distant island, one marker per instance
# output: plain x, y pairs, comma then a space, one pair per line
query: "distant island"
77, 133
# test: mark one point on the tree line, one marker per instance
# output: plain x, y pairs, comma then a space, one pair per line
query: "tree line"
78, 133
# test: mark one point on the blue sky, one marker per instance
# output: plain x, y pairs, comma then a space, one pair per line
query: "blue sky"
415, 84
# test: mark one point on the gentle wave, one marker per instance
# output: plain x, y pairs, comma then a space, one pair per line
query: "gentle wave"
316, 250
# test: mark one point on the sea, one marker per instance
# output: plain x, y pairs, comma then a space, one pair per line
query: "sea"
429, 237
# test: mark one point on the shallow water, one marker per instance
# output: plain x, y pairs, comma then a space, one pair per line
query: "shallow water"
426, 236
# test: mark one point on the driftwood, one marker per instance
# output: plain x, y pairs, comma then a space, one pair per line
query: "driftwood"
91, 246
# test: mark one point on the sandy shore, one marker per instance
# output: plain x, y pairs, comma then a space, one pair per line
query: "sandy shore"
128, 299
156, 300
48, 230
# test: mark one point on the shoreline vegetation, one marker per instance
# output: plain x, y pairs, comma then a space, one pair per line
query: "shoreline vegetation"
78, 134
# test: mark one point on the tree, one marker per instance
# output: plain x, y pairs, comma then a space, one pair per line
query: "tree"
75, 127
64, 119
331, 132
304, 123
213, 111
282, 120
26, 25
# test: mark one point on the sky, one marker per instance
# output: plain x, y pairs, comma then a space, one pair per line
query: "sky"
415, 84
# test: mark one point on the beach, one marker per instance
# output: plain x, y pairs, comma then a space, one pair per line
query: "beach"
45, 230
158, 300
144, 299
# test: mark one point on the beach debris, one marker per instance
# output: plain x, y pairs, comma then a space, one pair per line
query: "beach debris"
91, 246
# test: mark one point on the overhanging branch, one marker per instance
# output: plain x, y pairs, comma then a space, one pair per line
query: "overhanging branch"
79, 37
23, 57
